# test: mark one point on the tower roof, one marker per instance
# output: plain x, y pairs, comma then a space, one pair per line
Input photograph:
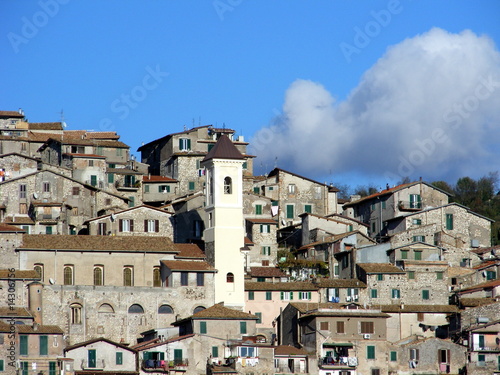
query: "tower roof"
224, 149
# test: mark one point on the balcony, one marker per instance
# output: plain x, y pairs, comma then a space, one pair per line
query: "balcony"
331, 362
494, 348
409, 206
155, 365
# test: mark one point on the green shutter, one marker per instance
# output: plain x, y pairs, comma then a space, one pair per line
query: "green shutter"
191, 185
394, 356
203, 327
119, 358
289, 211
111, 178
177, 356
291, 296
374, 293
44, 345
93, 180
210, 146
92, 358
449, 221
131, 201
1, 365
256, 190
258, 209
23, 345
24, 366
282, 296
244, 165
425, 294
243, 327
251, 295
189, 144
418, 255
370, 352
308, 208
269, 296
215, 351
259, 316
48, 230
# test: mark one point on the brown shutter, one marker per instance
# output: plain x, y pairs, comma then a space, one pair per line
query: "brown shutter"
104, 229
120, 225
145, 225
157, 226
131, 225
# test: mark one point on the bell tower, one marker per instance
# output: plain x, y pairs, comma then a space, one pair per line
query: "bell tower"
224, 233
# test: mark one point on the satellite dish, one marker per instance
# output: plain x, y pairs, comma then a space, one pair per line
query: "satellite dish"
52, 281
35, 195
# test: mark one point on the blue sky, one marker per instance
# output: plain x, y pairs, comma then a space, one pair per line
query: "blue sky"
299, 79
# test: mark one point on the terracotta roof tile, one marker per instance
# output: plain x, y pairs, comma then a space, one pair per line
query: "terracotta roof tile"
219, 311
262, 221
97, 243
21, 312
266, 272
10, 228
19, 274
276, 171
486, 264
340, 283
379, 268
45, 126
11, 114
18, 220
189, 250
41, 329
486, 285
304, 307
157, 179
288, 350
483, 250
186, 265
475, 302
417, 308
91, 341
292, 286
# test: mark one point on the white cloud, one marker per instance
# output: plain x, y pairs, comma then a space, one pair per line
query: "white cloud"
429, 107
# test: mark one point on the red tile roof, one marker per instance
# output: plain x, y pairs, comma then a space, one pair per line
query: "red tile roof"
262, 221
11, 114
157, 179
380, 268
41, 329
10, 228
19, 274
186, 265
288, 350
301, 285
266, 272
224, 149
18, 220
45, 126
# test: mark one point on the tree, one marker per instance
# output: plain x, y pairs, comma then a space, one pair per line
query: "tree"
443, 185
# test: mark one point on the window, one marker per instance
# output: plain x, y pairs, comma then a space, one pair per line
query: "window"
305, 296
98, 275
415, 201
291, 188
404, 254
395, 293
68, 275
203, 327
131, 202
366, 327
230, 277
165, 309
265, 263
323, 326
243, 328
251, 295
340, 327
163, 189
23, 345
449, 221
425, 294
269, 295
418, 238
256, 190
2, 366
125, 225
308, 208
265, 228
266, 250
375, 371
259, 317
44, 345
418, 255
156, 277
370, 352
24, 367
46, 187
184, 144
76, 313
48, 230
383, 204
228, 185
439, 275
215, 351
135, 309
119, 358
286, 296
200, 279
380, 276
22, 191
191, 185
151, 226
491, 275
247, 351
420, 317
93, 180
411, 275
289, 211
106, 308
414, 355
374, 293
261, 279
92, 358
417, 222
184, 278
128, 276
23, 208
258, 209
39, 270
394, 356
107, 202
244, 165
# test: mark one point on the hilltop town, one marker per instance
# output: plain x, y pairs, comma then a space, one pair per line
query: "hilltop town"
185, 262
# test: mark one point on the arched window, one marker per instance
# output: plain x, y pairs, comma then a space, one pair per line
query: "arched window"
76, 313
106, 308
165, 309
135, 309
98, 275
156, 277
128, 276
228, 185
39, 270
198, 309
68, 275
230, 278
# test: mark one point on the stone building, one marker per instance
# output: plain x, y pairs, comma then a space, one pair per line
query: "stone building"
296, 195
114, 287
394, 202
137, 221
317, 228
179, 155
158, 190
264, 248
